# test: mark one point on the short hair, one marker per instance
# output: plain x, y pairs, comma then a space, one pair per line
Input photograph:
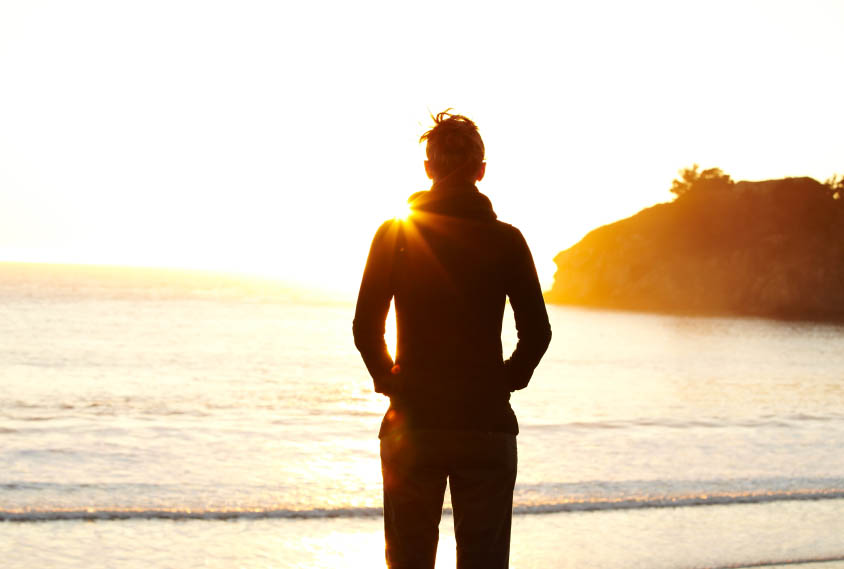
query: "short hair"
454, 146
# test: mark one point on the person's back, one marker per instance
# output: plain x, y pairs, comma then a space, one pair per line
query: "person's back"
450, 267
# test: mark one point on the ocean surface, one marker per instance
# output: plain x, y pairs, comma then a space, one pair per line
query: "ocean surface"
162, 419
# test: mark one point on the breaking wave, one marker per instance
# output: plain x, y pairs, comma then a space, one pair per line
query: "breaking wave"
577, 505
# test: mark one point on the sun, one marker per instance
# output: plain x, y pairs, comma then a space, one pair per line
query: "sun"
402, 212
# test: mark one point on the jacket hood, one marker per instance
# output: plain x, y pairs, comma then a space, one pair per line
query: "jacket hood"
454, 200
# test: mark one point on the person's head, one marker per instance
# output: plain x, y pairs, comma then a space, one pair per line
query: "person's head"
455, 149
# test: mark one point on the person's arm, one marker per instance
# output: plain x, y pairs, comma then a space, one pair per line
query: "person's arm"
376, 291
532, 326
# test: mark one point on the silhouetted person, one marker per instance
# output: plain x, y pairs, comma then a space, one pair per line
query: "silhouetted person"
450, 267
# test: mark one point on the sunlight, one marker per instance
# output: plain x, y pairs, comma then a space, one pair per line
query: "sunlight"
390, 334
402, 212
353, 544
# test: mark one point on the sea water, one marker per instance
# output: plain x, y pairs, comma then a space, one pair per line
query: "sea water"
156, 419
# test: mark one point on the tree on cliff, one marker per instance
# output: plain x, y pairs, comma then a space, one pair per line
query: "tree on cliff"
691, 178
836, 186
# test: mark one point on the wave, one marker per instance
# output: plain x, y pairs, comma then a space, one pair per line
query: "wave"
784, 421
725, 499
773, 563
577, 505
91, 514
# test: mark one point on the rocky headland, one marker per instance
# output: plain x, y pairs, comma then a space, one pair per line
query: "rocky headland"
773, 248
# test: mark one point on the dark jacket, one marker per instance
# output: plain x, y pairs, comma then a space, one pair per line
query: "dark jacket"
450, 267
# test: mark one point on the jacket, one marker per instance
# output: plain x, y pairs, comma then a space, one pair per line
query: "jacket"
450, 267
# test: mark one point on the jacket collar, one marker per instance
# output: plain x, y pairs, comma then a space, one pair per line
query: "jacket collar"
454, 199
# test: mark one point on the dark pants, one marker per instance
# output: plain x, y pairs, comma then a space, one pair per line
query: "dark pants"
481, 468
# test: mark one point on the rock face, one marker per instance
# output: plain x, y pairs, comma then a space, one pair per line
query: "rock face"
772, 248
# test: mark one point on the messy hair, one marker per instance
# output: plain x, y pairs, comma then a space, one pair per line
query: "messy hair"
454, 146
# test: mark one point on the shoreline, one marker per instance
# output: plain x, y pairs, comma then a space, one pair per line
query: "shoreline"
773, 535
834, 318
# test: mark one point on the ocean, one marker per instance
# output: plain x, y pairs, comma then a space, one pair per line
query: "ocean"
153, 418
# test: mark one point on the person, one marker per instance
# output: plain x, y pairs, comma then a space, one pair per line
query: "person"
450, 266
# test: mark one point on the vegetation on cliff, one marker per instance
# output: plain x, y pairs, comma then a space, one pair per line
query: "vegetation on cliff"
772, 248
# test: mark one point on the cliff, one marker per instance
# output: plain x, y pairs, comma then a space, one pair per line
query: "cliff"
772, 248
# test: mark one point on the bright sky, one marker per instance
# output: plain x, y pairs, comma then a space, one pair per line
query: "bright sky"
273, 137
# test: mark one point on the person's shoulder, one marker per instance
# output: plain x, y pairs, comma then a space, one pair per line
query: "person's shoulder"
509, 230
387, 226
511, 239
387, 232
504, 226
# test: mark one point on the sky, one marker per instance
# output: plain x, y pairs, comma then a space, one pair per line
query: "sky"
274, 137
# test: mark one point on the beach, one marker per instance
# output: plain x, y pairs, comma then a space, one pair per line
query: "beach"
806, 534
236, 427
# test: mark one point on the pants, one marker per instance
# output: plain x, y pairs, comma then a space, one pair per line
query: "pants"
481, 468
